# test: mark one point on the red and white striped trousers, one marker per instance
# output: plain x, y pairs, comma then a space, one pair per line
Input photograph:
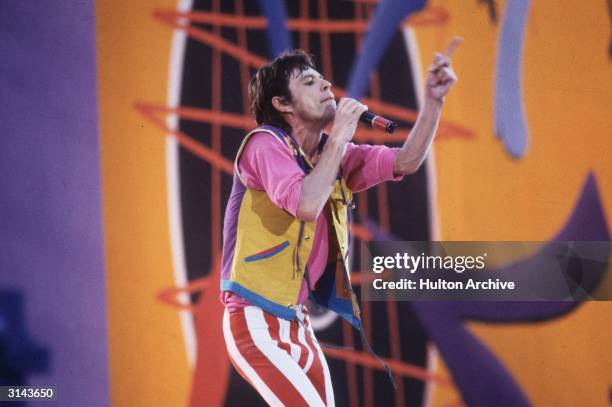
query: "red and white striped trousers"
281, 359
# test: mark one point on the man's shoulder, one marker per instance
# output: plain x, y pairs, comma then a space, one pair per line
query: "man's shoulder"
263, 139
266, 135
262, 142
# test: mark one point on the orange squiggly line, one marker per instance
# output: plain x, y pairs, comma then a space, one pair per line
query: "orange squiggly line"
212, 40
255, 61
215, 159
361, 232
429, 16
397, 367
170, 295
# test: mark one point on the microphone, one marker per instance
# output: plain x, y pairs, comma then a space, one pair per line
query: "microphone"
377, 121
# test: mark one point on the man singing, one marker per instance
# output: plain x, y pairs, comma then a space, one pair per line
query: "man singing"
286, 228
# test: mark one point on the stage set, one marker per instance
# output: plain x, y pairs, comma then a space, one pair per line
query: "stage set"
121, 123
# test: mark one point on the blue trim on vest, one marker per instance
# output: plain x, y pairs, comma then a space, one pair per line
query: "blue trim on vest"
259, 301
268, 253
325, 296
342, 307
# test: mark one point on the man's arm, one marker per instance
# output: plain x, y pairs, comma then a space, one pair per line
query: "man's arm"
415, 149
440, 79
317, 186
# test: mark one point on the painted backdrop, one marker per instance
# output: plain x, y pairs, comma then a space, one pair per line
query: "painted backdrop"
122, 120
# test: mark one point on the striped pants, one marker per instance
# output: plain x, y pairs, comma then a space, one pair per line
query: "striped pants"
280, 359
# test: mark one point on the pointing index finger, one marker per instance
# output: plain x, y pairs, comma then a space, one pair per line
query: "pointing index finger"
454, 44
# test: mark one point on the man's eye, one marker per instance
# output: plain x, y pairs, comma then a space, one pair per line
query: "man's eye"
310, 82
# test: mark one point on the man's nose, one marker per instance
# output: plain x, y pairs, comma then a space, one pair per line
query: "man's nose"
326, 85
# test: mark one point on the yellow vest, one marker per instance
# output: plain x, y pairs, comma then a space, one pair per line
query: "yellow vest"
266, 249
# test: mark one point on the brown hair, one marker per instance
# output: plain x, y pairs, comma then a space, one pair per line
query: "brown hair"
272, 80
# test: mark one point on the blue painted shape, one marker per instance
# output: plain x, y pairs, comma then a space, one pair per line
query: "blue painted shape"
19, 354
509, 115
278, 35
389, 14
479, 375
268, 253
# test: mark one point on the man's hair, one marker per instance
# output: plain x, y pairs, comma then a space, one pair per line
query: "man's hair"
272, 80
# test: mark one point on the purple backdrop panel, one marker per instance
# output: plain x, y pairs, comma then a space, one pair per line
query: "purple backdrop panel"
50, 205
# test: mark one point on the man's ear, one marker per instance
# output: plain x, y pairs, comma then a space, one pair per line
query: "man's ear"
280, 103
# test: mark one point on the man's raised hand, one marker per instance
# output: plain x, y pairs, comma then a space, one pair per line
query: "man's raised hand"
346, 119
440, 76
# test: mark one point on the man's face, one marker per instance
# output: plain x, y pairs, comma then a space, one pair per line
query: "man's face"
312, 98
